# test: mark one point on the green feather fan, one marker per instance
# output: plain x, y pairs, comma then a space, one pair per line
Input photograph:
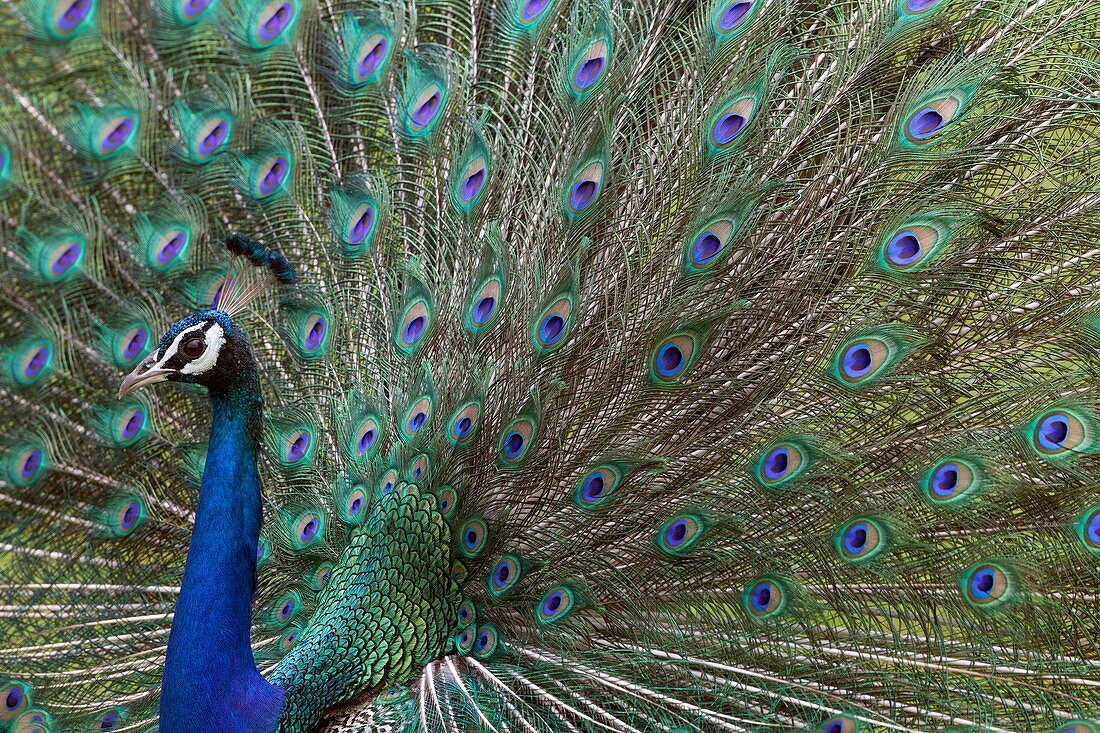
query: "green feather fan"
651, 366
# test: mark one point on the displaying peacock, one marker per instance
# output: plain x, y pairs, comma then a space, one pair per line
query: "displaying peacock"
549, 365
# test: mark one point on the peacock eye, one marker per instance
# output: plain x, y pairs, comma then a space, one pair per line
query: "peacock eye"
193, 348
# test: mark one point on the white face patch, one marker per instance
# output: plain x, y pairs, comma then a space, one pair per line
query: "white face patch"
215, 337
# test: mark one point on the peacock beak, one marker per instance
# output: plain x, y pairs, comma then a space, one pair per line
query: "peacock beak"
147, 372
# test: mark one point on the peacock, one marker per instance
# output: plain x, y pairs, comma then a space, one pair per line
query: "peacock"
549, 366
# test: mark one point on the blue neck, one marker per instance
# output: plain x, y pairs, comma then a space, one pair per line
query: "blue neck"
210, 677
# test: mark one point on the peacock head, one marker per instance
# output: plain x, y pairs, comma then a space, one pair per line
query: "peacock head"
204, 348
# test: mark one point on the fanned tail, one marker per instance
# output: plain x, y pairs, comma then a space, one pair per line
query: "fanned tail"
747, 350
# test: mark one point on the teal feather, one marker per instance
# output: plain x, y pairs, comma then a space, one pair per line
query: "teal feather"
654, 366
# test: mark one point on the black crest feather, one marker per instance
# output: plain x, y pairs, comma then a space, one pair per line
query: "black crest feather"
262, 256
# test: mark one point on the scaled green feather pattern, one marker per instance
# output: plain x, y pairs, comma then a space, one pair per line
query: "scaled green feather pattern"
656, 365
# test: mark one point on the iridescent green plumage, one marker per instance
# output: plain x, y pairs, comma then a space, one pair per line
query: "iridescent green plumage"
654, 365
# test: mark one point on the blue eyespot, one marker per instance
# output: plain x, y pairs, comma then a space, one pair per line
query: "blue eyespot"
474, 535
516, 440
986, 584
763, 598
555, 605
926, 123
504, 576
680, 533
513, 444
417, 417
860, 540
486, 641
672, 357
839, 724
733, 15
1089, 529
1062, 433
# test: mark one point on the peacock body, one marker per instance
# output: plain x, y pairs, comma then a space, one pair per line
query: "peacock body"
549, 365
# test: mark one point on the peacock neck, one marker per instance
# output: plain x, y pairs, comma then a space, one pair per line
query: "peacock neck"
210, 677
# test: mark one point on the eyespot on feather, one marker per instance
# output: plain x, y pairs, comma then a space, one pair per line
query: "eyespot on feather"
387, 482
414, 326
587, 70
354, 507
370, 59
516, 440
27, 464
464, 640
313, 334
167, 248
930, 118
419, 469
109, 720
551, 328
65, 19
190, 12
727, 127
114, 134
781, 463
125, 515
709, 245
673, 358
1060, 433
911, 248
1088, 529
487, 641
269, 175
130, 344
448, 502
529, 14
467, 613
473, 536
423, 111
1078, 726
839, 724
860, 540
584, 189
272, 22
320, 576
764, 598
680, 533
463, 424
417, 417
484, 308
284, 609
366, 438
393, 696
358, 230
32, 362
128, 424
15, 698
471, 182
61, 259
597, 486
730, 18
307, 529
210, 137
298, 446
953, 481
31, 721
504, 575
864, 360
556, 605
986, 585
